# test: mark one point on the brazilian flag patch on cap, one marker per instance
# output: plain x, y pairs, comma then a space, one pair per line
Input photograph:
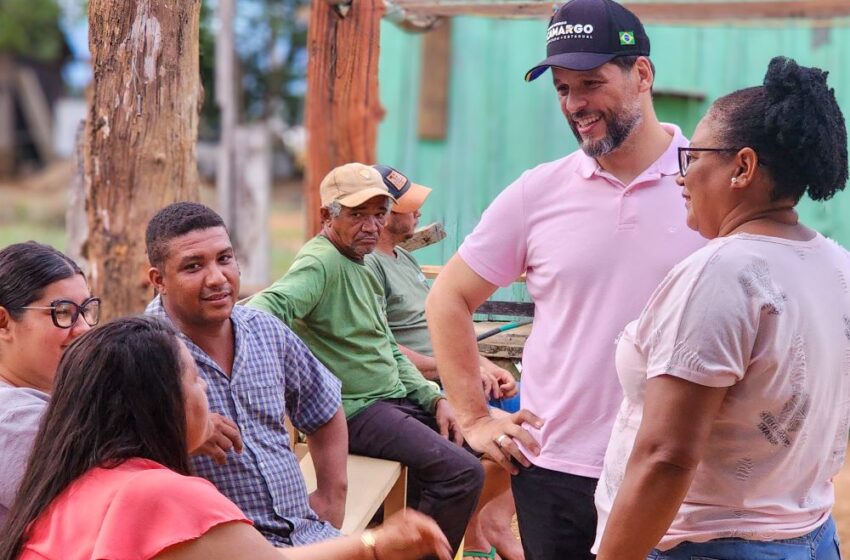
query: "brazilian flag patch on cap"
627, 37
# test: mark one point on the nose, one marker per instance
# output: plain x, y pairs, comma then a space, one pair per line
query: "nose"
372, 224
573, 103
79, 327
215, 277
417, 214
680, 180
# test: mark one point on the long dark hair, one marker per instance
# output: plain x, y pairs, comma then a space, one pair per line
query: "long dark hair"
118, 395
26, 269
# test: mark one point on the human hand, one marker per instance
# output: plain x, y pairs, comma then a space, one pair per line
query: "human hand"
498, 382
224, 436
410, 535
498, 436
328, 507
447, 423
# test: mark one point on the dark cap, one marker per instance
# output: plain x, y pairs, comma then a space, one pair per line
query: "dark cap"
585, 34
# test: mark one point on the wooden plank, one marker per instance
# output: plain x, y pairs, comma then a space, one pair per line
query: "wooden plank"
649, 11
7, 115
424, 236
510, 308
36, 110
434, 82
506, 345
371, 482
432, 270
342, 108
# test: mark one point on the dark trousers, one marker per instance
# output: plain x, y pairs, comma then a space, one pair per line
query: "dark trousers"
556, 514
446, 477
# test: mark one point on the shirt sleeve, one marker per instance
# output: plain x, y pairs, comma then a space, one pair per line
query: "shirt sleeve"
700, 324
18, 428
159, 509
312, 393
496, 249
296, 293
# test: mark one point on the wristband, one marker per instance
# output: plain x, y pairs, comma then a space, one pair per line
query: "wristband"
367, 537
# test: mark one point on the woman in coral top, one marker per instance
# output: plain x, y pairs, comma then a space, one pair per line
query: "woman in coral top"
110, 477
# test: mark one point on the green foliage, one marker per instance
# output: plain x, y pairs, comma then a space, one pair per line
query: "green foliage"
30, 28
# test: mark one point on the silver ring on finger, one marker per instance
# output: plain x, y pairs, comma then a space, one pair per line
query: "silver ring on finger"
499, 441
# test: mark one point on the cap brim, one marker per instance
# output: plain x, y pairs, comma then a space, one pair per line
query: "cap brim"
569, 61
412, 200
359, 197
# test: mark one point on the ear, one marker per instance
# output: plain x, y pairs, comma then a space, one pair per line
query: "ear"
156, 280
5, 324
747, 161
644, 71
325, 215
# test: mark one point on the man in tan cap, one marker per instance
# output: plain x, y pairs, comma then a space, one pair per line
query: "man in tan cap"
335, 304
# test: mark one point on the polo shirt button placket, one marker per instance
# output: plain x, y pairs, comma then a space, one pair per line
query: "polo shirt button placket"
628, 213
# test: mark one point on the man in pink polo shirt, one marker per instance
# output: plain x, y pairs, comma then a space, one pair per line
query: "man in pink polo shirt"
595, 232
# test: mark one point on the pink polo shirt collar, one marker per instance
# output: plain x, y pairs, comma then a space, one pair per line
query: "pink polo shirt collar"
667, 164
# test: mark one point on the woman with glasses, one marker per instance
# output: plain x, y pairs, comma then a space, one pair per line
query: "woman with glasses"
44, 305
110, 475
737, 373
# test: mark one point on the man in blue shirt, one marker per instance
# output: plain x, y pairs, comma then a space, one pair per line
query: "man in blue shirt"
257, 371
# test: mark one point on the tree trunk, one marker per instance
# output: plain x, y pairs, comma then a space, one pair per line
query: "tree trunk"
140, 136
343, 109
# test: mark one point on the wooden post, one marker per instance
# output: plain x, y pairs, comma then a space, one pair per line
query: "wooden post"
226, 98
343, 109
7, 115
253, 179
140, 136
244, 174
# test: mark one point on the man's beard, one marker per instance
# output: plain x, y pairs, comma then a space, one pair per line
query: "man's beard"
618, 129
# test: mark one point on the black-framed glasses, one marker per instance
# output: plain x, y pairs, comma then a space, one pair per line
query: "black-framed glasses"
65, 313
685, 156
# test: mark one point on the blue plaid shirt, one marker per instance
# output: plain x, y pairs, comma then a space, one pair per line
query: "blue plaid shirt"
273, 374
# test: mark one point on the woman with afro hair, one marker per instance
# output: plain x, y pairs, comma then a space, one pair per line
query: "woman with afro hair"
737, 373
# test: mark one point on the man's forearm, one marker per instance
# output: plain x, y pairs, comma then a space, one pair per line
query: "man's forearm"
425, 364
329, 449
453, 337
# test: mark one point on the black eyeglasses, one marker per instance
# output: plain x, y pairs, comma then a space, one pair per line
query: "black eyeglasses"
65, 312
685, 156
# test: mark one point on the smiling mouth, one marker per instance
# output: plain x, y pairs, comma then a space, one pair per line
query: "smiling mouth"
217, 297
585, 122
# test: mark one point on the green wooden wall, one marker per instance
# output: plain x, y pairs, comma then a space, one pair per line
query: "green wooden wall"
499, 125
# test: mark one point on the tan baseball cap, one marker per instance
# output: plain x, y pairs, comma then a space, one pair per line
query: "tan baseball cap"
352, 184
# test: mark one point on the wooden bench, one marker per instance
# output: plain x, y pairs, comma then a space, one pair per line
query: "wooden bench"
371, 483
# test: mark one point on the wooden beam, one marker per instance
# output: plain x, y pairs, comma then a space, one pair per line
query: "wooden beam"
36, 111
343, 109
434, 82
424, 236
648, 11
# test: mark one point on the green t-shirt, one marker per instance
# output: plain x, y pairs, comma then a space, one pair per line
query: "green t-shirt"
405, 290
336, 306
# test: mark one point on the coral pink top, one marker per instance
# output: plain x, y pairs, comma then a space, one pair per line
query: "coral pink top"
133, 511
